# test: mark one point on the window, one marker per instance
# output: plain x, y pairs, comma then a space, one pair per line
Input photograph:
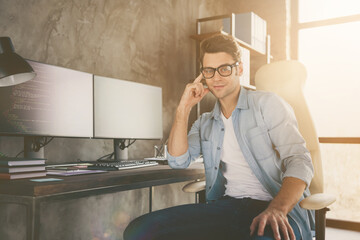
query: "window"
327, 35
331, 55
314, 10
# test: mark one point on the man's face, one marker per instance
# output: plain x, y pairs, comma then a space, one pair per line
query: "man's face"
220, 86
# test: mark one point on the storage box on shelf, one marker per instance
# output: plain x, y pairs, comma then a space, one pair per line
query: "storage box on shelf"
249, 28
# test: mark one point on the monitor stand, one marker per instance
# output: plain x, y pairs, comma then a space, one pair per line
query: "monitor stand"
120, 150
32, 147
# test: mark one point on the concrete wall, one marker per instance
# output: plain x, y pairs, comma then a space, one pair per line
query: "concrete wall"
145, 41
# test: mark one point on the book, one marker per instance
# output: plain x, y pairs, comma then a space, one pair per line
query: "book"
22, 175
63, 168
73, 172
9, 161
22, 169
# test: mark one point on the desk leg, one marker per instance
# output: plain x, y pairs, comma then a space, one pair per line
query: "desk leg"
31, 220
151, 190
34, 219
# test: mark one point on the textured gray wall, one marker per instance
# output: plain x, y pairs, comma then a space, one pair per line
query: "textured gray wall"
145, 41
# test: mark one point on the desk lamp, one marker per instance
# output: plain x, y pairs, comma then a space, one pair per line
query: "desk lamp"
13, 68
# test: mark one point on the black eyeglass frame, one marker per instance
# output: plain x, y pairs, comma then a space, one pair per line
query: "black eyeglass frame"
217, 69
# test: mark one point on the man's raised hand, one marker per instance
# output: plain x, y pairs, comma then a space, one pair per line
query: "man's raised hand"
193, 93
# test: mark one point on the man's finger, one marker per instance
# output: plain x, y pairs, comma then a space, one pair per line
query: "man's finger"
197, 89
275, 228
253, 226
284, 229
198, 79
290, 231
261, 227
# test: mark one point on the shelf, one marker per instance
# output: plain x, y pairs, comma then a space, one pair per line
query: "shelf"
200, 37
340, 140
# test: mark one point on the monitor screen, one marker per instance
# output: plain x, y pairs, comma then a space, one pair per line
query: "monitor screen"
57, 102
126, 110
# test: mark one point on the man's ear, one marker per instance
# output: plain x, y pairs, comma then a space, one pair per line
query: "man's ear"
239, 69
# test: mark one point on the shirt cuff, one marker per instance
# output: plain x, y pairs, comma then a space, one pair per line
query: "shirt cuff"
305, 175
181, 161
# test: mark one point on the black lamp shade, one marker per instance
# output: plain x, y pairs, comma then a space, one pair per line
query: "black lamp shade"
13, 68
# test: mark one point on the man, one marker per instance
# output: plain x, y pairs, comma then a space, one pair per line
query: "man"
256, 164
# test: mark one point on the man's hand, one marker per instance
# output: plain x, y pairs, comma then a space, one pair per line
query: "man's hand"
276, 213
277, 220
193, 93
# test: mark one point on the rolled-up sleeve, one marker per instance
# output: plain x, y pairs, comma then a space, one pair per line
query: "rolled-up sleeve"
286, 138
193, 151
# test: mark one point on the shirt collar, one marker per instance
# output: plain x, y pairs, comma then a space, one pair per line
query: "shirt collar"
241, 104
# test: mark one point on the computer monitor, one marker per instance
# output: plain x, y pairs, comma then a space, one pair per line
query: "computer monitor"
58, 102
125, 110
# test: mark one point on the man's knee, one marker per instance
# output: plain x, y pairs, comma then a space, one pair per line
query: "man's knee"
262, 238
148, 226
130, 230
136, 229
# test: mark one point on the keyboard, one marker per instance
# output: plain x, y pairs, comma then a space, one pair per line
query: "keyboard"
156, 159
160, 160
122, 165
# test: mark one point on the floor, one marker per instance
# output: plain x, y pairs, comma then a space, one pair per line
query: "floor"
336, 234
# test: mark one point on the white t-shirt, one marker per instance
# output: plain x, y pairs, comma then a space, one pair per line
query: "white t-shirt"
241, 181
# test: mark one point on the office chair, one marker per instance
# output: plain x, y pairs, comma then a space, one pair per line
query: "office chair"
287, 79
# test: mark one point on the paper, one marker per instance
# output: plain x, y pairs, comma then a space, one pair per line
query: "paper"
46, 180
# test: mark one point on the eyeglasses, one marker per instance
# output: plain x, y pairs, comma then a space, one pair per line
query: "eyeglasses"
224, 70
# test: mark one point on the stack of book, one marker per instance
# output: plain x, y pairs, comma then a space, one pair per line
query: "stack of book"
16, 168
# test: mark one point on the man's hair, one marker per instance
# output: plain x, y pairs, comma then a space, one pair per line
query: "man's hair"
220, 43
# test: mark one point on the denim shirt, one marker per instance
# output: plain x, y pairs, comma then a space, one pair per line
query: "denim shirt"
267, 132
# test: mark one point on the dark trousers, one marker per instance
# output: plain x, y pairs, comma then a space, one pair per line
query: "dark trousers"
227, 218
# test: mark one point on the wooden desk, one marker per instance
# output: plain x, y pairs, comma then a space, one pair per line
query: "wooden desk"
32, 194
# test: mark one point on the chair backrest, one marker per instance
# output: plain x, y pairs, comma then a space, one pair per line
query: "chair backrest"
287, 79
